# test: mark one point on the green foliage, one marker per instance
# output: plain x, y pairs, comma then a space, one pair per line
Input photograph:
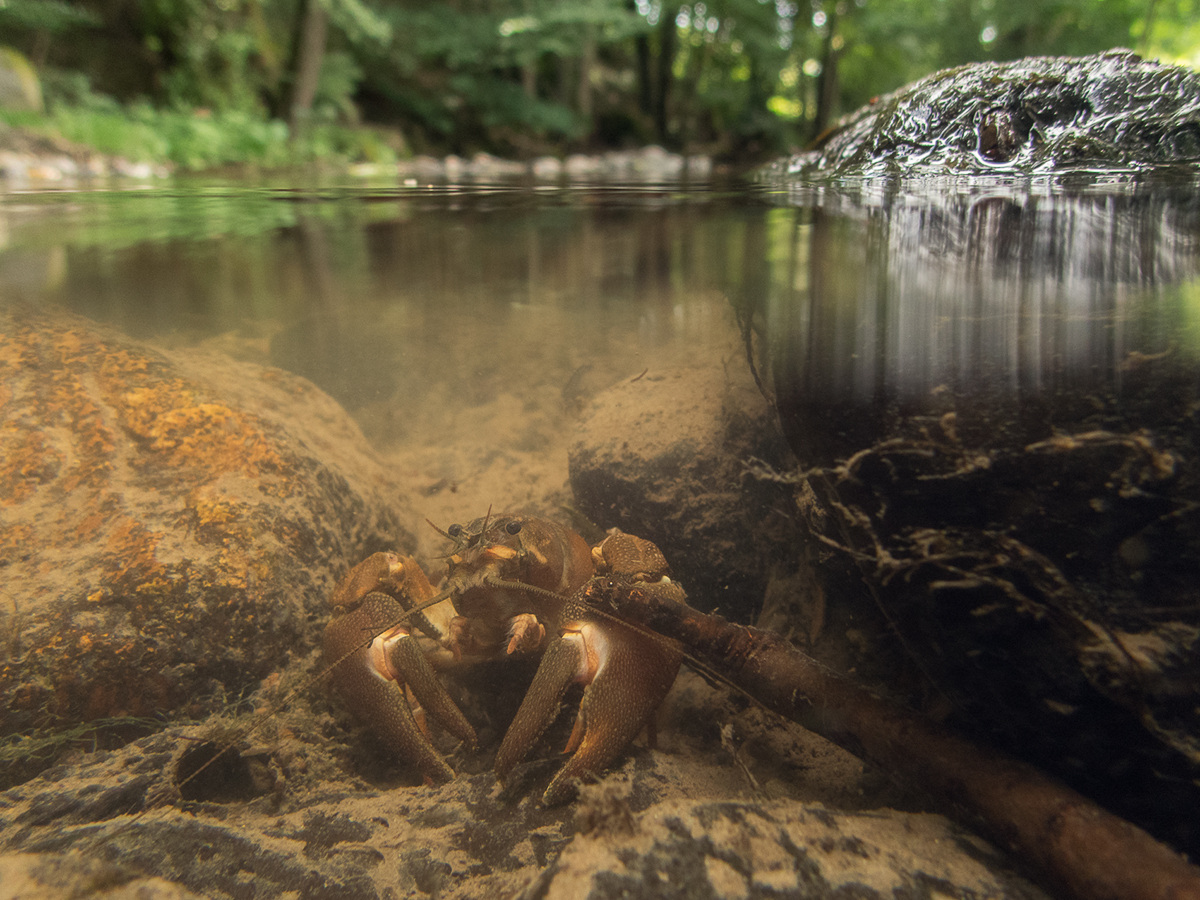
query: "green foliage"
49, 16
340, 77
359, 23
191, 140
502, 104
467, 75
731, 53
525, 76
213, 51
1171, 29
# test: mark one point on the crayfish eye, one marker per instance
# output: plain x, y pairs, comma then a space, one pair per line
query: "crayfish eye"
513, 527
454, 531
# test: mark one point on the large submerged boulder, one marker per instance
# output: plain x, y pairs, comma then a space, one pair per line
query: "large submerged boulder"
1041, 115
664, 457
170, 523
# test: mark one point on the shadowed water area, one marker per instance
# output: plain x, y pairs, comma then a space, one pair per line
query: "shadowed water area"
995, 390
982, 483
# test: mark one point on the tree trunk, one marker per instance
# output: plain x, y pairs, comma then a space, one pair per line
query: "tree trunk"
645, 80
306, 64
827, 83
666, 62
529, 78
587, 62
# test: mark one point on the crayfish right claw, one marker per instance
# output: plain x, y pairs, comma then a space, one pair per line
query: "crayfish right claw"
627, 673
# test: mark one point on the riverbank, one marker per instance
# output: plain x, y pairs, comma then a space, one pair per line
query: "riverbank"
33, 161
651, 163
30, 159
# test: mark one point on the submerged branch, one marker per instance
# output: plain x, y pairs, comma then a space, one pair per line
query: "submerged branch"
1080, 848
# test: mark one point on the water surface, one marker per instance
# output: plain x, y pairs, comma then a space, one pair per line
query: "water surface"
488, 314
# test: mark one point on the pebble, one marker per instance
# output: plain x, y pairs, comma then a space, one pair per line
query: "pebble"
648, 164
26, 170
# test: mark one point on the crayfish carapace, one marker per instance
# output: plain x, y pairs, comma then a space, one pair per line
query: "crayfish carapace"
511, 587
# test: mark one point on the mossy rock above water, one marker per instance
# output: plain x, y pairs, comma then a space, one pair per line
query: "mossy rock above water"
1042, 115
19, 85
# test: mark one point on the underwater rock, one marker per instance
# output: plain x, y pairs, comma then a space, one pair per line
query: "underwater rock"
172, 522
65, 876
1041, 115
292, 814
690, 849
663, 457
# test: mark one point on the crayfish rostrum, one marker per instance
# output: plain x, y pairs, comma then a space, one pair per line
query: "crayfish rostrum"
513, 585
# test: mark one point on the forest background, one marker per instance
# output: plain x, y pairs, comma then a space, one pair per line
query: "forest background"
203, 83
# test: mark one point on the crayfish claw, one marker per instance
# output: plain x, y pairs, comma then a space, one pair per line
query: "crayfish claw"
372, 675
629, 556
372, 574
560, 667
412, 669
627, 674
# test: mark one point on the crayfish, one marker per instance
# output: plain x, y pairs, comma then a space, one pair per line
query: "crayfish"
622, 628
511, 587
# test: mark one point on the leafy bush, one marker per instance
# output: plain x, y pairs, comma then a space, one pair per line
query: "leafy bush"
192, 139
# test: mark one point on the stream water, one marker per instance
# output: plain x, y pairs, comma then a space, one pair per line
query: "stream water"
406, 304
410, 306
985, 350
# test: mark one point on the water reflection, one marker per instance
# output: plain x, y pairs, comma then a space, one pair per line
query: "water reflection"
406, 305
995, 394
1017, 310
999, 303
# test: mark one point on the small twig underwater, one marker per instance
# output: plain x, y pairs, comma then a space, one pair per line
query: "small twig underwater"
1078, 847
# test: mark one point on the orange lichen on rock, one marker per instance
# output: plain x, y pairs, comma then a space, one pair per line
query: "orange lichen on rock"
211, 509
196, 435
129, 553
156, 506
27, 462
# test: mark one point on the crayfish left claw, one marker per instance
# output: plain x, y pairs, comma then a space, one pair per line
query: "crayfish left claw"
381, 663
627, 673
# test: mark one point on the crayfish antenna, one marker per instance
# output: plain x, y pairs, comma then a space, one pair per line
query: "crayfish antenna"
449, 534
